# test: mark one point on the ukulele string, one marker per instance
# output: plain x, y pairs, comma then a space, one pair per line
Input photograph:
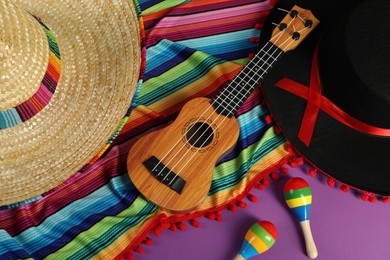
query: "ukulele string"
261, 76
190, 128
178, 173
270, 56
187, 141
264, 71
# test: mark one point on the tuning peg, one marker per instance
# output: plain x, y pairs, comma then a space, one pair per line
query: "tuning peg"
293, 13
281, 26
308, 23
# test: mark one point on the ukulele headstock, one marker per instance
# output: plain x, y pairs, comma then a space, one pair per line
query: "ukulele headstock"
294, 27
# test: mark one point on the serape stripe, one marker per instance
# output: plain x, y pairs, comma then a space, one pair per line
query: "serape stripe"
98, 213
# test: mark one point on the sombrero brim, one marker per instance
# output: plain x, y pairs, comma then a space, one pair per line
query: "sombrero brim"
99, 42
352, 157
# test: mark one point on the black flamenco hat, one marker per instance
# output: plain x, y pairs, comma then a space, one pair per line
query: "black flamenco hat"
331, 95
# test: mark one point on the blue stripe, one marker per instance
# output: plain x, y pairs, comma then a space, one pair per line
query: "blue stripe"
145, 4
222, 43
11, 249
9, 118
252, 129
251, 121
235, 177
163, 63
302, 212
74, 231
162, 91
238, 54
114, 233
165, 49
75, 214
247, 250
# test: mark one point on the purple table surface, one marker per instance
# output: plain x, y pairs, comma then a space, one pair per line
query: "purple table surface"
343, 227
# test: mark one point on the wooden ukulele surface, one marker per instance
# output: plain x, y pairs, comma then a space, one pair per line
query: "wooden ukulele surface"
173, 167
192, 163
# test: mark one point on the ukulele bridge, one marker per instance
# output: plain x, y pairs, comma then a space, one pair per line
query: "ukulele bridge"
164, 174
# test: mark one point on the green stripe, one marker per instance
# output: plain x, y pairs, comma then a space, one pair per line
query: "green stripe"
242, 61
52, 42
293, 194
263, 235
233, 178
105, 231
190, 70
164, 5
137, 8
245, 155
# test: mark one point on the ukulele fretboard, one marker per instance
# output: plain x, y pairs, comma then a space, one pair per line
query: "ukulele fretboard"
239, 89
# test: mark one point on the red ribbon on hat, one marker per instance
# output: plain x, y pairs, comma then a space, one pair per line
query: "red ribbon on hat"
316, 102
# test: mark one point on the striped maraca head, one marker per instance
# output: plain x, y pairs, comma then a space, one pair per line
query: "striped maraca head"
297, 194
259, 238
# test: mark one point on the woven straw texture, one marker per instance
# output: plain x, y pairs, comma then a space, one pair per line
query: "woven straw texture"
100, 60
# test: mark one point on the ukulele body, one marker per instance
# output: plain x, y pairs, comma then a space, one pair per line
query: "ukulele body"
186, 150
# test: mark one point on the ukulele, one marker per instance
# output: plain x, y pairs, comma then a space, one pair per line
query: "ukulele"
172, 167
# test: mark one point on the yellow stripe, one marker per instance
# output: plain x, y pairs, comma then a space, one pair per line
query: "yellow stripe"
256, 242
122, 242
273, 158
303, 201
195, 87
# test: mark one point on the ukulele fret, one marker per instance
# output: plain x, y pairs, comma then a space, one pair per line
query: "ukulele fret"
239, 89
199, 137
164, 174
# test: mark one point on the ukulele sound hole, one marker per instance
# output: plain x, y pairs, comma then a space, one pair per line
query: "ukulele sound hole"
200, 135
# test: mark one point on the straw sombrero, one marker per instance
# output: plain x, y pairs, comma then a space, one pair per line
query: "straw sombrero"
68, 72
331, 96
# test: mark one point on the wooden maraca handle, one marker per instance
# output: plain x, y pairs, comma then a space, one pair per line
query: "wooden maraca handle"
311, 248
238, 257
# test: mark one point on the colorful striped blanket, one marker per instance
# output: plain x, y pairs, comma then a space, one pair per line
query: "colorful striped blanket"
193, 48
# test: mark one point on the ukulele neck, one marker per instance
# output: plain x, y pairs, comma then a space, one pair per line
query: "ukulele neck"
229, 100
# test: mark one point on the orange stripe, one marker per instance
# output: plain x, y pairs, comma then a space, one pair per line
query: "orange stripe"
156, 15
54, 67
35, 102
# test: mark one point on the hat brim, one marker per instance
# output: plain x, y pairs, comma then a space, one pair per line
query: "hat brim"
357, 159
100, 50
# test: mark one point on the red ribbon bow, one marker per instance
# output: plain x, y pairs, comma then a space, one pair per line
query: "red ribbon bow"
316, 102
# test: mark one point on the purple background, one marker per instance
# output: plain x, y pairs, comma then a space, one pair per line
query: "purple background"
343, 227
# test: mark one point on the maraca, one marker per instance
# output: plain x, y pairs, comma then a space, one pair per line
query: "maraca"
297, 194
259, 238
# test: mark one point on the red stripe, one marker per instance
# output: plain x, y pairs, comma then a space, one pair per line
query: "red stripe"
37, 212
295, 184
270, 228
